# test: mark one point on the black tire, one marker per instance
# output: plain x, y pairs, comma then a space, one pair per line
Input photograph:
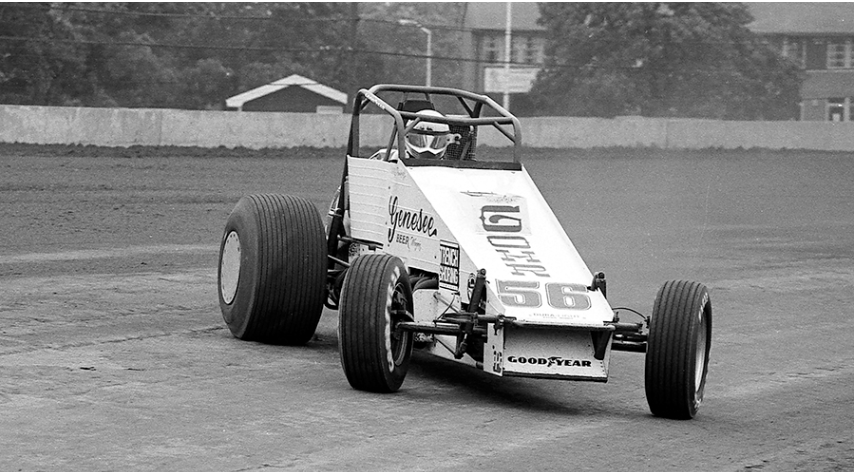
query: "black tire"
272, 269
373, 359
678, 349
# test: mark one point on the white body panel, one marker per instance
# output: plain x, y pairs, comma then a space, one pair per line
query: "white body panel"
453, 222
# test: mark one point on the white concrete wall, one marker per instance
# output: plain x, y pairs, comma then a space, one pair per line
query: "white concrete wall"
164, 127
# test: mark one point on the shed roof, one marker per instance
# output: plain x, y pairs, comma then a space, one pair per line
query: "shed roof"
238, 100
802, 18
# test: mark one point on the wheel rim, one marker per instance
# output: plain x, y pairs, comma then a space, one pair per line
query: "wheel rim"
230, 267
701, 356
398, 344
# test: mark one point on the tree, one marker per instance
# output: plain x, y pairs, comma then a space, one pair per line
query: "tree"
45, 70
194, 55
661, 59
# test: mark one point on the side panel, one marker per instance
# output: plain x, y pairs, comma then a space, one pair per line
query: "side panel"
369, 186
546, 353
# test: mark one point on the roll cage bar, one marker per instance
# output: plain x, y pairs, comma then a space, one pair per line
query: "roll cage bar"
471, 102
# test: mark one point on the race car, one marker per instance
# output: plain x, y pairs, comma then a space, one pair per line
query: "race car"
458, 255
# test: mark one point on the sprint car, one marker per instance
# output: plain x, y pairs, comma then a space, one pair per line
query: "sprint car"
460, 257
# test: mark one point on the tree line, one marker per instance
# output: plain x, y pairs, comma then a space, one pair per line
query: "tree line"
651, 59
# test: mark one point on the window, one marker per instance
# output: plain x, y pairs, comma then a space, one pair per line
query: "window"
532, 51
527, 49
794, 50
839, 55
518, 49
492, 49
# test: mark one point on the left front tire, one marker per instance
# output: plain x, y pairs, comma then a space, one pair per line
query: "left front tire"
376, 291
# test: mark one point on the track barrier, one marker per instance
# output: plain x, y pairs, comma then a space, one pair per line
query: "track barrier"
122, 127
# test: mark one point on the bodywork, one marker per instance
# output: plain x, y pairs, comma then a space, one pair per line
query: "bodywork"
507, 291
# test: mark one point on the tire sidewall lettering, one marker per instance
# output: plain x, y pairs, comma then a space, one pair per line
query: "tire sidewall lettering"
394, 275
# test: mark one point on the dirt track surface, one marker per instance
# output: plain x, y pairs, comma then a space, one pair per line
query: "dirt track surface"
114, 356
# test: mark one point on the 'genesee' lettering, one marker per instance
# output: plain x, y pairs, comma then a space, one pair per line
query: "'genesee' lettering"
408, 220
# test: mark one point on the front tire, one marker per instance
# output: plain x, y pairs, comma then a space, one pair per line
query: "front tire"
376, 289
678, 349
272, 269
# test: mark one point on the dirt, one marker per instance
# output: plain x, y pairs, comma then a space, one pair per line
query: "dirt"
113, 353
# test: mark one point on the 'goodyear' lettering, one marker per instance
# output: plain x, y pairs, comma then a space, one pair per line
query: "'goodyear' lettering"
549, 361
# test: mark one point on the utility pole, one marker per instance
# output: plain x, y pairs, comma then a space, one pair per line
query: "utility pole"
352, 79
506, 98
428, 50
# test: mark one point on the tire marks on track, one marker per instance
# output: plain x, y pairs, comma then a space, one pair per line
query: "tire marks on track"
106, 253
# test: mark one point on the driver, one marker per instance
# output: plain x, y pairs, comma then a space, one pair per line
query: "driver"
428, 140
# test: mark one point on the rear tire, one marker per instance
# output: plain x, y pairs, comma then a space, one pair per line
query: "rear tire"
373, 358
272, 269
678, 349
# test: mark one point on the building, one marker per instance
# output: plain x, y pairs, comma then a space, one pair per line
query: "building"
816, 35
294, 93
486, 23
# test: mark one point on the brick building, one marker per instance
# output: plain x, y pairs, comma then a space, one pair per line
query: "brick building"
818, 36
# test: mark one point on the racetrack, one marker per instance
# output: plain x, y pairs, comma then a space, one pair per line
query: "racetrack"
114, 355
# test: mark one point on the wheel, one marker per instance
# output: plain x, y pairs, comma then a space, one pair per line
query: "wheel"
376, 288
272, 271
678, 349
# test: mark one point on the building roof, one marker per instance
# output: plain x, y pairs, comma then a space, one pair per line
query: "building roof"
292, 80
770, 18
802, 18
491, 16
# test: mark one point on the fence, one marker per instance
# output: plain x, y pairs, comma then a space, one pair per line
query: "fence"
255, 130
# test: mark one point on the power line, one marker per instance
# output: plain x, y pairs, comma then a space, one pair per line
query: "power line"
578, 66
320, 49
215, 16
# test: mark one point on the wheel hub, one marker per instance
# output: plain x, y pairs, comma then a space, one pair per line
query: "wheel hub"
230, 267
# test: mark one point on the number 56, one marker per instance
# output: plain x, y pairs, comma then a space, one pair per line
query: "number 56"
558, 295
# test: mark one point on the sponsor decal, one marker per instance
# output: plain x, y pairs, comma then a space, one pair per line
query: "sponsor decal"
501, 218
399, 174
412, 242
493, 197
554, 361
449, 265
409, 220
504, 225
556, 316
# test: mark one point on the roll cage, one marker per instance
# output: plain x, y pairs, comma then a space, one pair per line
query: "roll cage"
405, 118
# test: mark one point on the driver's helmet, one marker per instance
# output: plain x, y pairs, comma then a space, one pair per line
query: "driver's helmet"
428, 140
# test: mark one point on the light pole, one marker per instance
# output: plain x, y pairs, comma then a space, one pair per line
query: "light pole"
506, 97
429, 52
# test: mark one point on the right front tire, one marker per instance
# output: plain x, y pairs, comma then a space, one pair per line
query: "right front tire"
272, 270
678, 349
375, 293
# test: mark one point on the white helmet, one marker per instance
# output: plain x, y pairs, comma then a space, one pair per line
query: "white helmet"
428, 140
